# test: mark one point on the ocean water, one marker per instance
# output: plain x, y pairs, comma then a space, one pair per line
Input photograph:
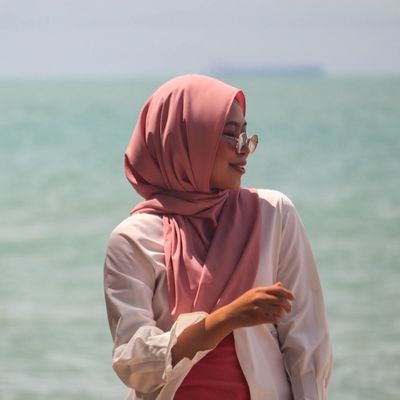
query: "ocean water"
331, 144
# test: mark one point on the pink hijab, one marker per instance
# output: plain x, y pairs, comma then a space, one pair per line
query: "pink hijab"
211, 237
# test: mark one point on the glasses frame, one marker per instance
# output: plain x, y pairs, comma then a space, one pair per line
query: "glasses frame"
242, 141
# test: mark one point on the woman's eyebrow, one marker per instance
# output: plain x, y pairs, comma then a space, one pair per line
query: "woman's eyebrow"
236, 124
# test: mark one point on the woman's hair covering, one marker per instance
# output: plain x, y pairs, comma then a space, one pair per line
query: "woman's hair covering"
211, 237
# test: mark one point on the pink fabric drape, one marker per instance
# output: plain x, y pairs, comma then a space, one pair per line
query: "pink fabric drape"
211, 238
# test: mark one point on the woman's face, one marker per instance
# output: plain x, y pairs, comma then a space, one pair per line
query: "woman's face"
229, 166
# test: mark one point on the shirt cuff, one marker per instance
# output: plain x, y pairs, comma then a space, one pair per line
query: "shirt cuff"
181, 368
308, 387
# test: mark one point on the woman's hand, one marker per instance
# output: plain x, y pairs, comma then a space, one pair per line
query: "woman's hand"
266, 304
260, 305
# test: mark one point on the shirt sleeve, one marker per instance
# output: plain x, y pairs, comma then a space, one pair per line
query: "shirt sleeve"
303, 333
142, 350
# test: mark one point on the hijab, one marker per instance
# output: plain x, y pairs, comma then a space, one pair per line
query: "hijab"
211, 237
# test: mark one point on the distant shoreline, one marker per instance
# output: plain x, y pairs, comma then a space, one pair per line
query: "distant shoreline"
218, 73
270, 71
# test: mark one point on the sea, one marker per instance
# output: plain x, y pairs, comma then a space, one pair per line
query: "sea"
332, 144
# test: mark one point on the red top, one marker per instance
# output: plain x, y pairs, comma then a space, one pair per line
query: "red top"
216, 376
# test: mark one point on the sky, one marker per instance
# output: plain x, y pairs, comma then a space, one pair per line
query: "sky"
121, 38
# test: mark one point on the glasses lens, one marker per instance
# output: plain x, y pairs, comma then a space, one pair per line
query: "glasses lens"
241, 142
252, 143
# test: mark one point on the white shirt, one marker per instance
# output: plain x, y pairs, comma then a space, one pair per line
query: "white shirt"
291, 360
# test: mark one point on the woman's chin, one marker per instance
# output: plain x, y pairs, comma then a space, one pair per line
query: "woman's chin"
230, 182
231, 185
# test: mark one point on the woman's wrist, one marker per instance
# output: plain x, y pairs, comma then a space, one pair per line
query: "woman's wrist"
220, 322
204, 335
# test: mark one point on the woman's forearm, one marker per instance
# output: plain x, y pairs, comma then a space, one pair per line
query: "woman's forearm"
204, 335
266, 304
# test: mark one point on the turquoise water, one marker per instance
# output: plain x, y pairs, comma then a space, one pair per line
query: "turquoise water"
331, 144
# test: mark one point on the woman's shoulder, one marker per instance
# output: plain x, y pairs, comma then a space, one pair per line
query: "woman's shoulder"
277, 206
274, 198
140, 228
135, 250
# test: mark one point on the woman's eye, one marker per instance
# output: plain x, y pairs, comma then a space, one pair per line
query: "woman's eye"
230, 135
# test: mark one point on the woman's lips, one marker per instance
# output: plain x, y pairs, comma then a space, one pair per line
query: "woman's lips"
239, 167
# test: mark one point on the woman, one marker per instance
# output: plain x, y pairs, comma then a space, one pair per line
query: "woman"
211, 289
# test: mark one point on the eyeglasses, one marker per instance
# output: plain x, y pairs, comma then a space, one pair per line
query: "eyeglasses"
242, 141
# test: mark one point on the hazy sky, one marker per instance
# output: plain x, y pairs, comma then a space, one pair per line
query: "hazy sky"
124, 38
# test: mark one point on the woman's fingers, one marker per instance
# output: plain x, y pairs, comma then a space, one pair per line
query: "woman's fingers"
286, 305
279, 290
266, 300
276, 295
283, 305
265, 304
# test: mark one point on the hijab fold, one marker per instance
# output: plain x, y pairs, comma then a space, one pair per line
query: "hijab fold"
211, 237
